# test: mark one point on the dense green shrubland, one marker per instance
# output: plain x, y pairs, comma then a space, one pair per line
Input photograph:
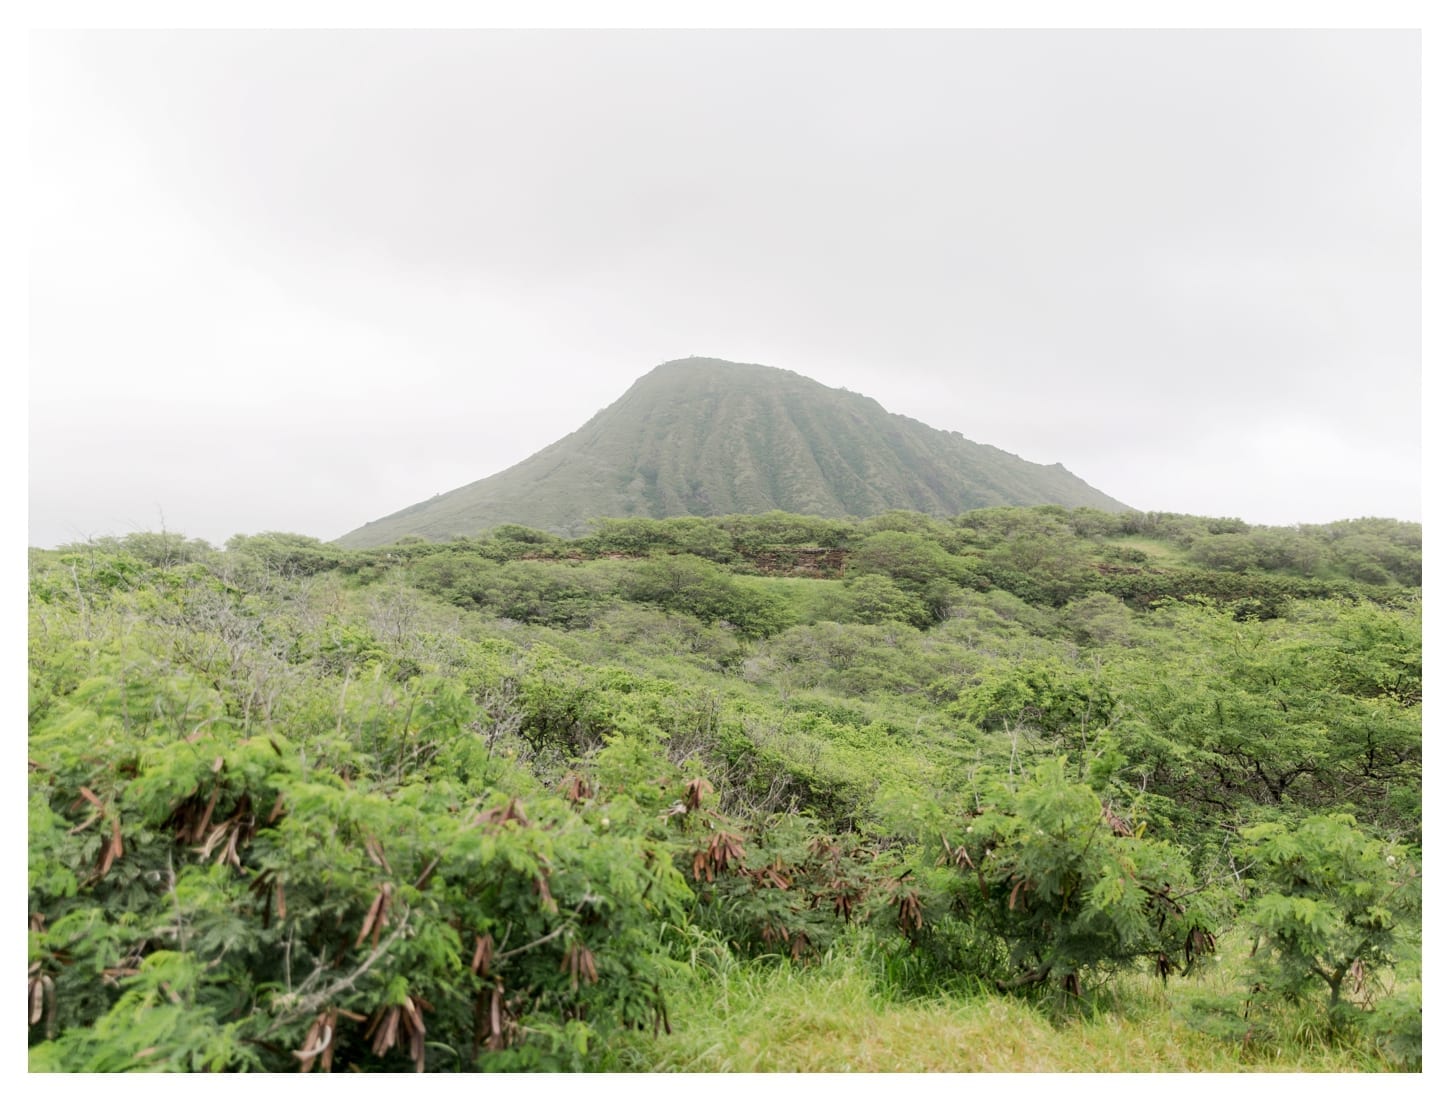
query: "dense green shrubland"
489, 804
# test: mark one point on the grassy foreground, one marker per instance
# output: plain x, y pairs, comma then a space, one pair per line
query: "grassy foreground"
833, 1017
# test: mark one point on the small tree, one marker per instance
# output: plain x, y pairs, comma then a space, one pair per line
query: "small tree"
1065, 887
1332, 905
872, 598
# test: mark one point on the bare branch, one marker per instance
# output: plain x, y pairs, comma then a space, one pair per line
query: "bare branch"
304, 1007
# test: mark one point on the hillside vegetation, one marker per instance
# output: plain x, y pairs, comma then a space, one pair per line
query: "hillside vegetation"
1018, 789
703, 437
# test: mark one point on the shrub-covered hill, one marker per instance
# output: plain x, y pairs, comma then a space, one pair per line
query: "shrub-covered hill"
703, 437
520, 802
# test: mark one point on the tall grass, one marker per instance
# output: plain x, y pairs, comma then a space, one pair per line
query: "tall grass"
838, 1015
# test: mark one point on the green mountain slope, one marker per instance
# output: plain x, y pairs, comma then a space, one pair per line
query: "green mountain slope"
704, 437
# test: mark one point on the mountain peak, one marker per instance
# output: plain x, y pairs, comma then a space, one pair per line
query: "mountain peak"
709, 437
698, 368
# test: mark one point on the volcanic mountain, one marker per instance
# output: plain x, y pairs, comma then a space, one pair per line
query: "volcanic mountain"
704, 437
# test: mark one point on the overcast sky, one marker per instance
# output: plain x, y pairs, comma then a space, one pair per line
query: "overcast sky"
298, 280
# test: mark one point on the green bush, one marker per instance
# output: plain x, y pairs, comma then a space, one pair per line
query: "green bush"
1057, 888
1332, 906
205, 897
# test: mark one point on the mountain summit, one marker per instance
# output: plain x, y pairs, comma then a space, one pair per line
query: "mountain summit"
704, 437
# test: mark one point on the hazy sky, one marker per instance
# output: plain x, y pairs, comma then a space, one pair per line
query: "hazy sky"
298, 280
